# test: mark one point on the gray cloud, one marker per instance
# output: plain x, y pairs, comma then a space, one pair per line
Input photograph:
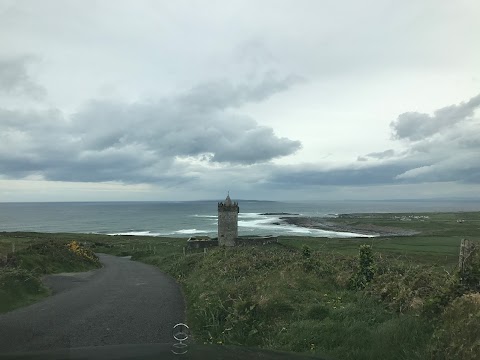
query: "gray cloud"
15, 80
311, 175
377, 155
452, 155
415, 126
222, 94
444, 147
382, 154
445, 171
142, 142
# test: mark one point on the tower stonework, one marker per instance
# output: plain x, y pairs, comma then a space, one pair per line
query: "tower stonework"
227, 222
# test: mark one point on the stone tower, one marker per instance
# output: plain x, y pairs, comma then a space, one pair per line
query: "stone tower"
227, 222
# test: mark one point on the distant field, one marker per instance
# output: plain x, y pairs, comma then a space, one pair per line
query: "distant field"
445, 224
438, 240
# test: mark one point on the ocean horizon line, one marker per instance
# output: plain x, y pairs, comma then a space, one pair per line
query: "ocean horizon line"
245, 200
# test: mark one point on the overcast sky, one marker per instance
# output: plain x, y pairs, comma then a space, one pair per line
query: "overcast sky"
185, 100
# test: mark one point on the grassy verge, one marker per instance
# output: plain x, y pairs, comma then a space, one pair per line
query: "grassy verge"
20, 272
19, 287
275, 298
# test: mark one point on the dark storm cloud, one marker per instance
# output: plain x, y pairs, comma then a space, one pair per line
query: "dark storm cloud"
108, 141
15, 80
415, 126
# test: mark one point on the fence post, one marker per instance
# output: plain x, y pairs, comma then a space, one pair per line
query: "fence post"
461, 255
466, 250
13, 247
204, 251
184, 251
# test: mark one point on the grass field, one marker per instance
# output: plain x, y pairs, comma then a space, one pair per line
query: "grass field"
298, 295
437, 241
445, 224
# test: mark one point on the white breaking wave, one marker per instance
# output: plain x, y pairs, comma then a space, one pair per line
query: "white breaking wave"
190, 231
150, 233
249, 215
275, 224
138, 233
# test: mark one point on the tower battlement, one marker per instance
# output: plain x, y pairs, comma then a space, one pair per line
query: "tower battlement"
225, 207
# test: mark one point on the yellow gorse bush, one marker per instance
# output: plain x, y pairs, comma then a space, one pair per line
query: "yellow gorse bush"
79, 250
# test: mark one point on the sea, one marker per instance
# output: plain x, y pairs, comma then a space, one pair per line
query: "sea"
194, 218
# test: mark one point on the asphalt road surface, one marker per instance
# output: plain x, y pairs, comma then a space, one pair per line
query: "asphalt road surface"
125, 302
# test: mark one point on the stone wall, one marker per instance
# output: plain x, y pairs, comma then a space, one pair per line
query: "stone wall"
201, 244
256, 240
241, 241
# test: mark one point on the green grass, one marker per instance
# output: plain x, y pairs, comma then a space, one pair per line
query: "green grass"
441, 250
274, 297
18, 288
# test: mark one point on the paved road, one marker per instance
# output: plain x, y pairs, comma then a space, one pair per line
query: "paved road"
125, 302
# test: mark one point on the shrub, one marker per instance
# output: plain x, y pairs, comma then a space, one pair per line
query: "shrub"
458, 335
83, 252
366, 269
18, 284
306, 252
470, 277
413, 288
457, 285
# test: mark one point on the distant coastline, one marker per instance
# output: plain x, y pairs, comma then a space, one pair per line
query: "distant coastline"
323, 223
183, 219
